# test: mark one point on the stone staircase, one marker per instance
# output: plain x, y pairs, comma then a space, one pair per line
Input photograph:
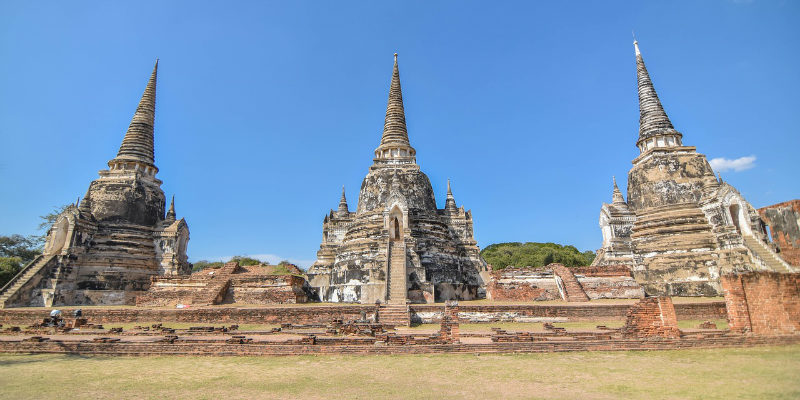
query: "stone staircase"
397, 273
217, 288
23, 277
573, 291
767, 256
394, 314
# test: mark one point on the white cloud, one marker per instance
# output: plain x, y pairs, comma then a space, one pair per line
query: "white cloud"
266, 258
722, 164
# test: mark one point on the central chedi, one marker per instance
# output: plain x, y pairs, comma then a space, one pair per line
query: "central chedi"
397, 246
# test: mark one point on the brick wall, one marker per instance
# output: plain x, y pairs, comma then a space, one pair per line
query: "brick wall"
322, 314
652, 317
784, 223
764, 303
522, 284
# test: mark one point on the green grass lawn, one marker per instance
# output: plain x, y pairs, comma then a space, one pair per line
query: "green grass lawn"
764, 372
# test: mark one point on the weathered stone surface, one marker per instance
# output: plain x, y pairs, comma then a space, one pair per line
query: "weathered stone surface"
681, 227
397, 246
105, 250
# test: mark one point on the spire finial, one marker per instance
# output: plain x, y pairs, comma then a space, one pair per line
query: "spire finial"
719, 176
137, 145
450, 202
343, 208
395, 147
171, 211
616, 196
653, 120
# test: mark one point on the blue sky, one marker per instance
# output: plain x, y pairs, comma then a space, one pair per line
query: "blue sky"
265, 109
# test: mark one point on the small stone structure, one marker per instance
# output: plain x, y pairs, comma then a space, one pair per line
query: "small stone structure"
543, 283
764, 303
397, 246
680, 227
652, 317
784, 223
231, 284
104, 250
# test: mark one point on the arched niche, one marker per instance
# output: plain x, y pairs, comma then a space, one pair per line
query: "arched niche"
396, 224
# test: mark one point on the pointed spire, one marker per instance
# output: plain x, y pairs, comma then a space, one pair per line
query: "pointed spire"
343, 209
86, 204
171, 211
450, 202
653, 120
394, 126
138, 142
394, 141
719, 176
617, 196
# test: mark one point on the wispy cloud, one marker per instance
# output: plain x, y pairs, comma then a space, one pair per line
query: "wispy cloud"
266, 258
722, 164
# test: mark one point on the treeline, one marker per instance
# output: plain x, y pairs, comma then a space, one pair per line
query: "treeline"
244, 261
532, 254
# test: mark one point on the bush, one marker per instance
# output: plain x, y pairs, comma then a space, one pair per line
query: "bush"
9, 266
203, 264
531, 254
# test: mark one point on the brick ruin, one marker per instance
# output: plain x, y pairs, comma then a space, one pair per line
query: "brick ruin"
232, 283
104, 250
763, 303
783, 220
681, 227
652, 317
397, 246
650, 324
555, 281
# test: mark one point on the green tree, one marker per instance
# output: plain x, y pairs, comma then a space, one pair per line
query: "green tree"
49, 219
203, 264
15, 252
9, 266
531, 254
245, 261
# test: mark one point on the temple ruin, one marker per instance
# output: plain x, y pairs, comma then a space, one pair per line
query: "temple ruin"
681, 227
397, 246
105, 249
